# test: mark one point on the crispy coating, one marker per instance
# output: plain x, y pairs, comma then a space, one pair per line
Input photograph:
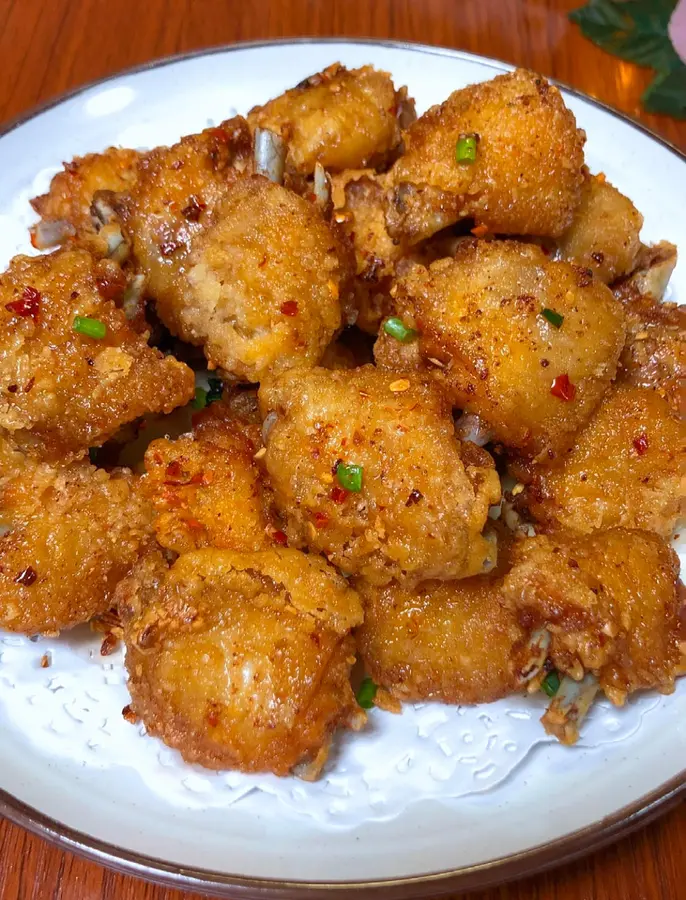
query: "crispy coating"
363, 219
527, 175
343, 119
605, 233
378, 256
483, 335
237, 264
654, 355
241, 660
60, 387
68, 205
74, 532
451, 641
609, 601
207, 488
424, 497
627, 468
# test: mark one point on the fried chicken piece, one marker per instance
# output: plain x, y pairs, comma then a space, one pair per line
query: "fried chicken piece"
452, 641
207, 488
362, 218
71, 210
74, 532
654, 355
237, 264
378, 256
526, 177
341, 118
61, 389
242, 660
484, 335
424, 497
605, 233
627, 468
608, 602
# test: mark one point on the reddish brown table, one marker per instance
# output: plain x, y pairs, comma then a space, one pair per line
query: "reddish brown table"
50, 46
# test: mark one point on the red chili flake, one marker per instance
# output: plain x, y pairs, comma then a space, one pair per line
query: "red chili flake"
174, 469
13, 388
28, 305
194, 210
641, 443
213, 710
45, 661
109, 644
280, 538
129, 714
563, 388
29, 384
194, 525
199, 478
415, 497
263, 262
289, 308
339, 494
26, 577
321, 519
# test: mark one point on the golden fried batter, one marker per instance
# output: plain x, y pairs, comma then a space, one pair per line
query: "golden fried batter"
484, 335
627, 468
74, 532
604, 235
424, 497
655, 352
207, 488
59, 386
67, 211
443, 640
527, 175
237, 264
343, 119
609, 602
241, 660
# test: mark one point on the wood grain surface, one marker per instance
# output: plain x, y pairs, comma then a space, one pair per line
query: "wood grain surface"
50, 46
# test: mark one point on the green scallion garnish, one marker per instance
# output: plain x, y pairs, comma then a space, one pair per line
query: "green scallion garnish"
551, 683
350, 477
366, 693
215, 389
555, 318
397, 329
465, 149
200, 399
92, 328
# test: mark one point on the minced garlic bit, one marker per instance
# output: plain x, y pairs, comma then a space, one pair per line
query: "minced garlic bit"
402, 384
260, 453
517, 489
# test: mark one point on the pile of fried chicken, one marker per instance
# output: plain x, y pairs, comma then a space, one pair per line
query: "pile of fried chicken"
443, 431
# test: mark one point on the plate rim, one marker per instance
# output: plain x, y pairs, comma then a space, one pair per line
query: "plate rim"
476, 877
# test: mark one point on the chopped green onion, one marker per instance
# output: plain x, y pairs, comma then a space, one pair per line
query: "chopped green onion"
555, 318
215, 390
200, 399
397, 329
92, 328
350, 477
551, 683
366, 693
465, 149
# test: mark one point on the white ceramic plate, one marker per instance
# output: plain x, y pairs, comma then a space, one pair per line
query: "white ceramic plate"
439, 798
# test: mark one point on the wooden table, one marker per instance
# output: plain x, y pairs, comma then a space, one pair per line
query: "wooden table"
50, 46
